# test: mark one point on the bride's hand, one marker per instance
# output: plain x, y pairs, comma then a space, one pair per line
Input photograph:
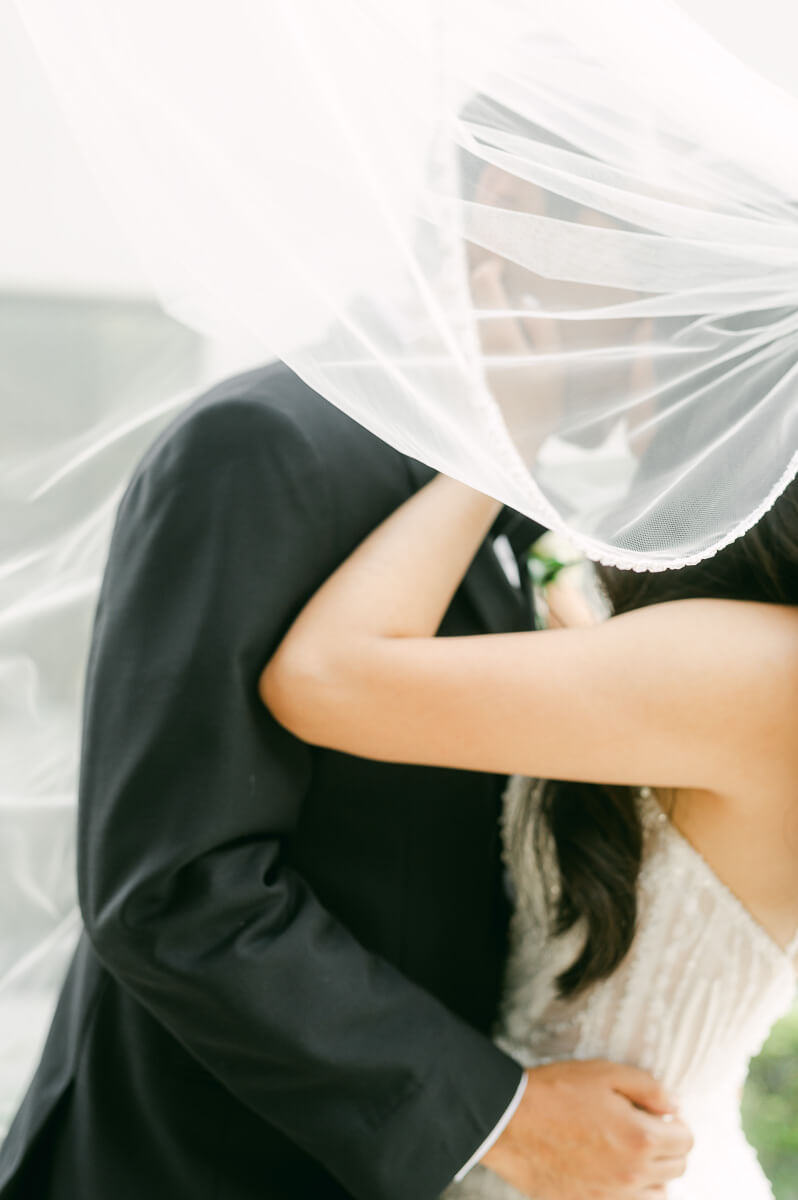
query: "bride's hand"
523, 370
596, 1129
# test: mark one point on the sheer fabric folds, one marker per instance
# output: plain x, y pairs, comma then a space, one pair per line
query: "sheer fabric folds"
551, 249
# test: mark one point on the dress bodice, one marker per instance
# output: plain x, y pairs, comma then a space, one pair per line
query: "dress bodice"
692, 1002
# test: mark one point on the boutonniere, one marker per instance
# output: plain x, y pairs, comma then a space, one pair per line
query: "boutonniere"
548, 556
563, 585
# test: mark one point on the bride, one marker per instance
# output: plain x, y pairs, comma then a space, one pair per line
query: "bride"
660, 845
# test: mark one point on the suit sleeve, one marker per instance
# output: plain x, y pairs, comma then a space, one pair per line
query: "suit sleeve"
188, 792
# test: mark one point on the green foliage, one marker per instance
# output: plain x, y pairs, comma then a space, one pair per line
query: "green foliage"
544, 568
770, 1108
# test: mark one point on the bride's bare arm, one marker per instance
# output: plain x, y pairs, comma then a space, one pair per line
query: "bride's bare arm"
684, 694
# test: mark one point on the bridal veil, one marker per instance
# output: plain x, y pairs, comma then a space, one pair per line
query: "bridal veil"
550, 249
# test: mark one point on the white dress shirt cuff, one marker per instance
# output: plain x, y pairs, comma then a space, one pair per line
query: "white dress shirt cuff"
496, 1133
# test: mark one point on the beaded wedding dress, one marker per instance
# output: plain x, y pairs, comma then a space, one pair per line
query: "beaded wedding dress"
692, 1002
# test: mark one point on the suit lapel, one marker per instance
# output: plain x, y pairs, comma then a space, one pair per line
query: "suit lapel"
501, 607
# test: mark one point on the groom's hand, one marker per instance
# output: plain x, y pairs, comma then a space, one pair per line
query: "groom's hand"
591, 1131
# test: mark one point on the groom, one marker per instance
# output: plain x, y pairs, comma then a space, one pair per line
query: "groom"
291, 958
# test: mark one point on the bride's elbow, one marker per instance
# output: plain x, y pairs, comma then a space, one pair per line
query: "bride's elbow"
288, 686
303, 692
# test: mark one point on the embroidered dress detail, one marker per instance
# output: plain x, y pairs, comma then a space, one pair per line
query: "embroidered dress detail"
693, 1001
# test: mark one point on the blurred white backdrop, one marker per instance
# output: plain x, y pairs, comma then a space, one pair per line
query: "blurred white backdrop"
90, 369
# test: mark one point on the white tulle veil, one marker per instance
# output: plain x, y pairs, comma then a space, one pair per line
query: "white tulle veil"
550, 249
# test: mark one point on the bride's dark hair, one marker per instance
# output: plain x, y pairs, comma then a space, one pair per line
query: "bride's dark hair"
596, 828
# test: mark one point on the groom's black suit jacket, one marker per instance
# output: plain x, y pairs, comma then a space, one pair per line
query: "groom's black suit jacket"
291, 957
